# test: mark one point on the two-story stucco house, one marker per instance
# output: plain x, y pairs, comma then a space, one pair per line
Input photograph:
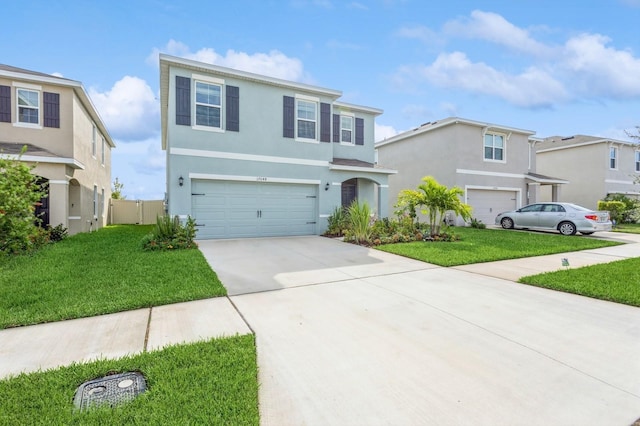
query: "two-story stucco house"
593, 166
494, 164
66, 141
250, 155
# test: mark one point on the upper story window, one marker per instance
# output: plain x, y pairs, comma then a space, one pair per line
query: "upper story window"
306, 119
637, 161
613, 158
93, 141
208, 104
346, 129
494, 147
28, 106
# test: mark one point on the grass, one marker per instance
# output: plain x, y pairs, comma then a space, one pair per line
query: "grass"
616, 281
212, 382
97, 273
631, 228
487, 245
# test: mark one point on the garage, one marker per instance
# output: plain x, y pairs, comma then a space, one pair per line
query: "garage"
229, 209
488, 203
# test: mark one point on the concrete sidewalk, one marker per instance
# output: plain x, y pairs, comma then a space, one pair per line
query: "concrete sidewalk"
350, 335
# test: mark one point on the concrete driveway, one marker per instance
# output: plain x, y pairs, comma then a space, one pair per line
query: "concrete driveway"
352, 336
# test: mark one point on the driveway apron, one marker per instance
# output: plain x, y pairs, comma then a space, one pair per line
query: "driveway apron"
350, 335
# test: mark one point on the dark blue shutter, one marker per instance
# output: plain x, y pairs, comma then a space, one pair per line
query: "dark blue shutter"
183, 101
325, 122
5, 104
233, 108
359, 131
51, 114
288, 117
336, 127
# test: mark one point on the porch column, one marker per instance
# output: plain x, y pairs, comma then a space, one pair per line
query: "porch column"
533, 192
383, 194
555, 192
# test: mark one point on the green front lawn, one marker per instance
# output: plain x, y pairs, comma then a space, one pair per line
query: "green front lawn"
98, 273
631, 228
616, 281
487, 245
214, 382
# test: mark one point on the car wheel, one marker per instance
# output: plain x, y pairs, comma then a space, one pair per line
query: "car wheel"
507, 223
567, 228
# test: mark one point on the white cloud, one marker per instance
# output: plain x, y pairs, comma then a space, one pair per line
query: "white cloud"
532, 88
494, 28
273, 64
383, 132
420, 33
599, 70
130, 109
140, 166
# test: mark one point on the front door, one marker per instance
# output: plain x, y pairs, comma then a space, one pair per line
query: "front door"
349, 192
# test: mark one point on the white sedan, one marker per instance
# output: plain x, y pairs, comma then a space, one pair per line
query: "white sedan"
567, 218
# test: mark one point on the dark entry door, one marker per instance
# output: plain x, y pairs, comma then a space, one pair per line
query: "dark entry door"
349, 192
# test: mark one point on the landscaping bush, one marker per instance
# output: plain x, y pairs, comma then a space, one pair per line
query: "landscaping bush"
57, 233
475, 223
337, 223
170, 234
359, 223
628, 212
19, 193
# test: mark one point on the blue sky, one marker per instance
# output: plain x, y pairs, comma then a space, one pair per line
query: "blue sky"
553, 67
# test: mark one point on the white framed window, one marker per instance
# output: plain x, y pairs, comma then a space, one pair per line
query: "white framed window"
637, 168
28, 106
306, 119
102, 151
613, 158
494, 147
101, 207
94, 135
346, 129
208, 104
95, 201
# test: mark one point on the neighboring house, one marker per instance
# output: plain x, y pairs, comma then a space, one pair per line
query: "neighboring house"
66, 141
594, 167
495, 165
250, 155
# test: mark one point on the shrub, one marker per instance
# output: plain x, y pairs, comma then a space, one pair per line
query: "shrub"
170, 234
57, 233
359, 223
628, 212
475, 223
19, 192
337, 223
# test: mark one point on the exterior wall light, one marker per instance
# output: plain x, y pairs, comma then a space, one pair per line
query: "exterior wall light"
180, 181
326, 187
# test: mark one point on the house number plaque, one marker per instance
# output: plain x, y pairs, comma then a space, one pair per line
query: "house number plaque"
261, 179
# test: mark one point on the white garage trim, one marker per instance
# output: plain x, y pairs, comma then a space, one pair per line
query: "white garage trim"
484, 173
238, 178
488, 201
246, 157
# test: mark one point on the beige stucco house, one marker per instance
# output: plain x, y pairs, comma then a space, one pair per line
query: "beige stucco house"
593, 166
494, 164
66, 140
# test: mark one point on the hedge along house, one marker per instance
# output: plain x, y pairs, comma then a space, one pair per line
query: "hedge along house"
253, 156
66, 140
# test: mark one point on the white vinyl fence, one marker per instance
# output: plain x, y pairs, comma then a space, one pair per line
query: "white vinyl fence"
138, 212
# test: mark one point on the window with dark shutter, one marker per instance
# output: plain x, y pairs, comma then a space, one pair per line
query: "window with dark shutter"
359, 131
5, 104
336, 128
288, 117
233, 109
325, 122
51, 111
183, 101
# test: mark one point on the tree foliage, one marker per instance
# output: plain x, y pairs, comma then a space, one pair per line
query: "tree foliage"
434, 200
116, 191
19, 193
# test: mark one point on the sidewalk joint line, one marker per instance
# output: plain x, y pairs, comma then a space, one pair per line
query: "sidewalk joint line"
146, 334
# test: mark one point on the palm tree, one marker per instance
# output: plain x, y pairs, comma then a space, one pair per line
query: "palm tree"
434, 200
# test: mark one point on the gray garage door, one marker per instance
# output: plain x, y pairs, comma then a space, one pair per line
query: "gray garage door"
488, 203
224, 209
